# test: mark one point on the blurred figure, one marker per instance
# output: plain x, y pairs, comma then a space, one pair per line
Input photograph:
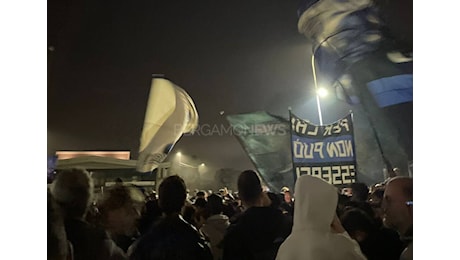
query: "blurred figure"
287, 203
347, 191
200, 212
73, 191
230, 203
226, 195
375, 243
200, 195
58, 247
259, 231
171, 237
93, 215
397, 210
375, 201
151, 213
275, 200
317, 232
200, 203
188, 213
118, 182
342, 203
120, 210
359, 192
215, 224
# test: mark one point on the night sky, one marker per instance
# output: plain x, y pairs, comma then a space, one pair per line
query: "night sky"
235, 56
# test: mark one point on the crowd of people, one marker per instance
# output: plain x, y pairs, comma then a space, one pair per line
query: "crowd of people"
314, 221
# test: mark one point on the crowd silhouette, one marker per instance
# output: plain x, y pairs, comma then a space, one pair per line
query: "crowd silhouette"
315, 220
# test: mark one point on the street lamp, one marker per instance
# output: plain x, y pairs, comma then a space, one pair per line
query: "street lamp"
202, 168
179, 156
322, 92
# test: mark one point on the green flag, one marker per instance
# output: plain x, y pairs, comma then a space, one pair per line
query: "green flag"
266, 140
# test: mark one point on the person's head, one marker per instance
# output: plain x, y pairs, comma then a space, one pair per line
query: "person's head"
287, 197
121, 208
118, 181
342, 202
347, 191
360, 191
275, 199
397, 204
201, 194
215, 204
200, 203
152, 195
375, 201
73, 191
249, 187
223, 192
358, 224
172, 194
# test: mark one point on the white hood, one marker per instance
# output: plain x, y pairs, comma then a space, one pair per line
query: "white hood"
315, 201
311, 237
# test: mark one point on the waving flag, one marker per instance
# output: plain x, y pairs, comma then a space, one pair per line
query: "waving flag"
170, 114
266, 140
356, 57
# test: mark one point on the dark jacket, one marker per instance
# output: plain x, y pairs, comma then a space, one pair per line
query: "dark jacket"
171, 238
256, 234
407, 253
91, 243
383, 244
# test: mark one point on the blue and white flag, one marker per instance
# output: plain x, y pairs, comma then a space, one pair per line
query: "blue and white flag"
170, 114
326, 151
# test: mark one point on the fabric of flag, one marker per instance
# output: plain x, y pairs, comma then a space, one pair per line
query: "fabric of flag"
341, 32
326, 151
170, 113
346, 32
356, 56
266, 140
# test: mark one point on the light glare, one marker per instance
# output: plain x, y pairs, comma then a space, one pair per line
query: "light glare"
322, 92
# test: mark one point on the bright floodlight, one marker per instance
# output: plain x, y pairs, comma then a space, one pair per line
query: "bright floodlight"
179, 154
202, 164
322, 92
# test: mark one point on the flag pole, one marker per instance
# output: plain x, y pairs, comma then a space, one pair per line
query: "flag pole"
292, 153
318, 104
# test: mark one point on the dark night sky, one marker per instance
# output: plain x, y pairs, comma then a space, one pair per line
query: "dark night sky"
235, 56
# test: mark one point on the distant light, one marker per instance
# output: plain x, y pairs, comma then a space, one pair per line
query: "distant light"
123, 155
202, 164
179, 154
322, 92
222, 112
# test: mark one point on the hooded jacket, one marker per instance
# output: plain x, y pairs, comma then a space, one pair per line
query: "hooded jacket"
214, 229
311, 237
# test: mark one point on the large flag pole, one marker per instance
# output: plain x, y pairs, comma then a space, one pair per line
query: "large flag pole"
318, 104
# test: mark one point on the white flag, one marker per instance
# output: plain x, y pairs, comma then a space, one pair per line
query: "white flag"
170, 113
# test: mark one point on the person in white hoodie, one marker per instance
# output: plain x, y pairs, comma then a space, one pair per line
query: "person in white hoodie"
317, 232
215, 225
